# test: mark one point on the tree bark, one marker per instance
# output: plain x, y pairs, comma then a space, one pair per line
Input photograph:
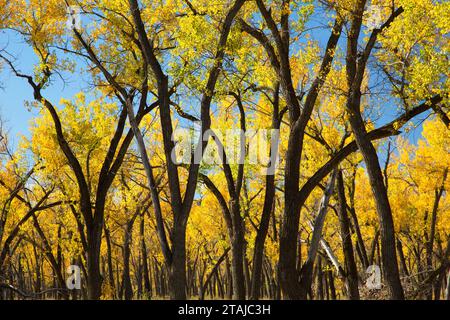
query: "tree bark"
145, 269
447, 290
401, 256
268, 208
306, 271
109, 259
347, 246
430, 243
386, 222
355, 68
176, 258
237, 252
215, 269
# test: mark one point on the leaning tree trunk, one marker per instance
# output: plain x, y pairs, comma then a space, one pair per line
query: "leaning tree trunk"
387, 231
356, 63
401, 255
347, 246
306, 272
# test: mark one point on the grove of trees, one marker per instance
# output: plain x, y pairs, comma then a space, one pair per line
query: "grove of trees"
356, 90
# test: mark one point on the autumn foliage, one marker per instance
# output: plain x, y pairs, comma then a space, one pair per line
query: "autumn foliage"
357, 90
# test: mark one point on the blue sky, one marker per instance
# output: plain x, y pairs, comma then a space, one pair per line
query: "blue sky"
15, 91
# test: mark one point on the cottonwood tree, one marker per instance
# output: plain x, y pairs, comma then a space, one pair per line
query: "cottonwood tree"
333, 77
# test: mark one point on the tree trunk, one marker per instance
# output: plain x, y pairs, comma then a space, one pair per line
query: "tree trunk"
291, 218
126, 279
331, 284
109, 260
401, 256
177, 267
229, 279
215, 270
355, 70
258, 251
268, 207
145, 269
347, 246
430, 243
319, 271
359, 240
237, 253
447, 291
387, 231
306, 277
94, 281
